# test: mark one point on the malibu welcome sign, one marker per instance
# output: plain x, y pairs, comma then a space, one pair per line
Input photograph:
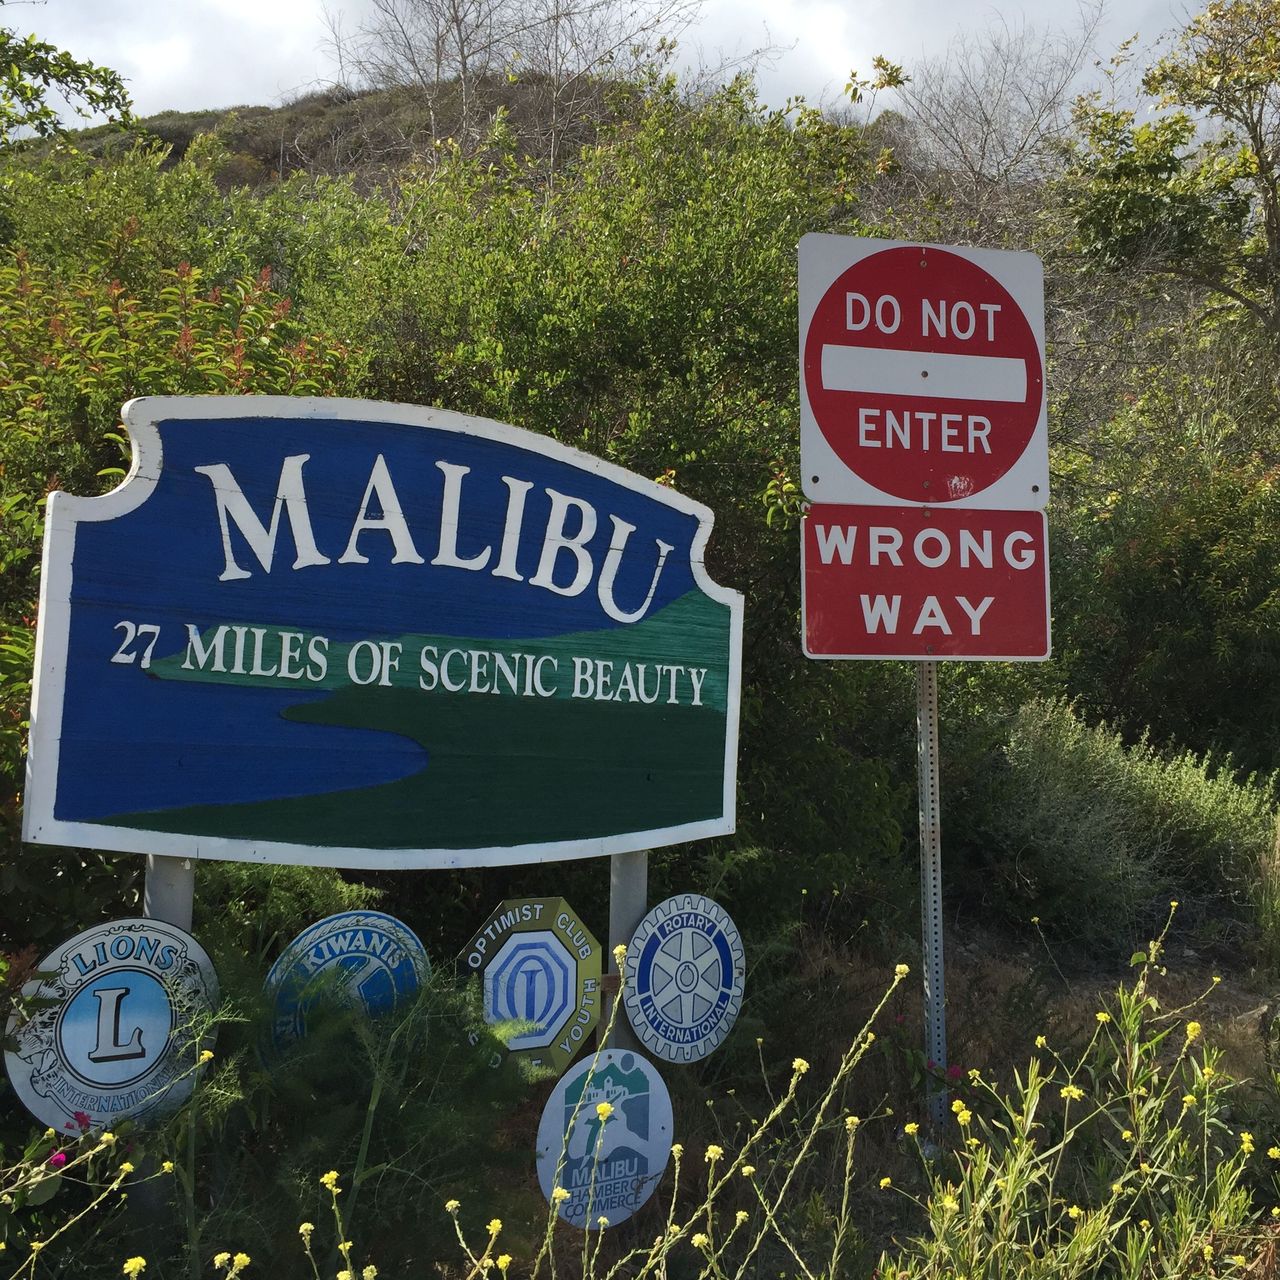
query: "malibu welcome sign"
369, 635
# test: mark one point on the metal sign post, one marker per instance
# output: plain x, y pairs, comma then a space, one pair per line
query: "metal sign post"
935, 1013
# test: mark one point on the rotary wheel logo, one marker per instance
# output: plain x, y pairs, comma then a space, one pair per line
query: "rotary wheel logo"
686, 970
121, 1011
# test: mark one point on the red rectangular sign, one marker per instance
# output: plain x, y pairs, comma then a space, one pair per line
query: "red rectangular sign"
925, 583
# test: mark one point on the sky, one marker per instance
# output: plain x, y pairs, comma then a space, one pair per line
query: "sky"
189, 54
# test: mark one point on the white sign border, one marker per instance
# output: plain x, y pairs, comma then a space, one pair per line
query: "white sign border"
64, 511
822, 258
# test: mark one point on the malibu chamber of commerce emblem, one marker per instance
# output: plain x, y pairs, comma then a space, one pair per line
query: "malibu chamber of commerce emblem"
364, 960
609, 1159
120, 1011
686, 970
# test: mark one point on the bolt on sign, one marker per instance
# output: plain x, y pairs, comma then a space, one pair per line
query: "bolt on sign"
354, 634
118, 1015
539, 969
921, 374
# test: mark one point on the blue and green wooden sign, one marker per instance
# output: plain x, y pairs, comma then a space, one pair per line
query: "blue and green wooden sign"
371, 635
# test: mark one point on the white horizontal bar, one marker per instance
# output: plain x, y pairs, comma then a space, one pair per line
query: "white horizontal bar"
903, 373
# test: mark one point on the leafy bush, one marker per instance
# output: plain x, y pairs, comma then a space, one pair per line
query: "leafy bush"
1089, 834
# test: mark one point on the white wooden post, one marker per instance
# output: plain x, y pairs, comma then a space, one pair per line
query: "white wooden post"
628, 902
169, 891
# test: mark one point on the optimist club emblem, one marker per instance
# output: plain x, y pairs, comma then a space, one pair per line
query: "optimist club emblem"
127, 1005
686, 970
364, 960
540, 967
608, 1164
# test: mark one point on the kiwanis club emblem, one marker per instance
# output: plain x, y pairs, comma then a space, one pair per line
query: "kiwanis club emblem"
363, 960
687, 969
610, 1157
120, 1011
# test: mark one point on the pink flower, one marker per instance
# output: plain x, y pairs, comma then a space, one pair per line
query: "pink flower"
58, 1159
954, 1072
82, 1120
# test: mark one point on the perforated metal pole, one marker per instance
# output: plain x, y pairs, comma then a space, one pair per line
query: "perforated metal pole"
170, 890
628, 902
935, 1016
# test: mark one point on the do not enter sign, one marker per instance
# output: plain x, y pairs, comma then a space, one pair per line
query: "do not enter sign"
922, 374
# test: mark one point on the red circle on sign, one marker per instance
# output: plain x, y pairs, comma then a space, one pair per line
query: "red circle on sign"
923, 374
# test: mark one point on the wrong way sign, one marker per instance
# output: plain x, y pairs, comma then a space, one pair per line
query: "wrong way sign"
924, 583
922, 374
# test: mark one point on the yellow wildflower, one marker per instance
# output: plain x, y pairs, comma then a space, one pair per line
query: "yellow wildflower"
167, 1167
851, 1123
206, 1055
1041, 1042
1273, 1153
885, 1182
134, 1266
1188, 1099
964, 1116
713, 1153
369, 1273
901, 971
240, 1261
504, 1261
1103, 1017
604, 1110
741, 1216
677, 1149
1073, 1093
106, 1138
1246, 1142
1145, 1224
559, 1195
451, 1206
1239, 1259
1193, 1030
949, 1203
1127, 1136
1074, 1212
1207, 1251
1117, 1188
126, 1167
799, 1066
911, 1129
305, 1229
1208, 1072
330, 1180
221, 1259
620, 954
748, 1170
495, 1225
700, 1240
957, 1106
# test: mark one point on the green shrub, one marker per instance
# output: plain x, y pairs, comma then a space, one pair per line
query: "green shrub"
1092, 835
